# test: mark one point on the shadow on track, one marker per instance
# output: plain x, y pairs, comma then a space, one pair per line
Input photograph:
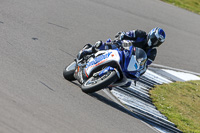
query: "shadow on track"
111, 103
108, 101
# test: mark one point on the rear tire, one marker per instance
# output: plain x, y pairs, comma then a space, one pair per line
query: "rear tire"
98, 84
68, 72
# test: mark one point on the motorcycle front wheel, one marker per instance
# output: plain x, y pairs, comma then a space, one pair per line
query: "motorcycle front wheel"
68, 72
94, 84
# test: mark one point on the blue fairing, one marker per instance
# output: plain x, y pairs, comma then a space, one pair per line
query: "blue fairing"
121, 55
124, 61
125, 57
132, 75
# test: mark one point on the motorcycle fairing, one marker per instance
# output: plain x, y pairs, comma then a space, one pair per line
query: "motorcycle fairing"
102, 57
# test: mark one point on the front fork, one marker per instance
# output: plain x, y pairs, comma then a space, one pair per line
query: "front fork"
79, 70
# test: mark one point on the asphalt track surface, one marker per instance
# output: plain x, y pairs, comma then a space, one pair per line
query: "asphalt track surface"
38, 38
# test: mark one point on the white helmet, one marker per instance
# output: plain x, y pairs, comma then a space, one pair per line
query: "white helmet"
155, 37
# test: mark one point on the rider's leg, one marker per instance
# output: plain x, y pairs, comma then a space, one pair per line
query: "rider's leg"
89, 49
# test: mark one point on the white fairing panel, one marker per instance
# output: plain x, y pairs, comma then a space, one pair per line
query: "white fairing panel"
104, 57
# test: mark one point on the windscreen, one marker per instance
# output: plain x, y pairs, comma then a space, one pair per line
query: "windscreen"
137, 60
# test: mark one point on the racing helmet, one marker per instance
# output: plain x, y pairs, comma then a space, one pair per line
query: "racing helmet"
138, 60
155, 37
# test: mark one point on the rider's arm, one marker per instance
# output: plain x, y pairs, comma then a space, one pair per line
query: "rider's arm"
99, 45
130, 35
151, 55
122, 35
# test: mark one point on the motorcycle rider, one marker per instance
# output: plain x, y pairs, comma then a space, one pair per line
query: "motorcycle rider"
138, 38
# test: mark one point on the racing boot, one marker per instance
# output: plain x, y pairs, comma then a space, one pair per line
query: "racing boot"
89, 49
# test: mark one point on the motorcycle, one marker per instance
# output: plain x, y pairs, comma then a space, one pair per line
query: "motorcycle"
105, 69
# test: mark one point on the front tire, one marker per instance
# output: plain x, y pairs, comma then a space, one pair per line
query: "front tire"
68, 72
94, 84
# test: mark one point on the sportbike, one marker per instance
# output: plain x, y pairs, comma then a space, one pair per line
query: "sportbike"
106, 68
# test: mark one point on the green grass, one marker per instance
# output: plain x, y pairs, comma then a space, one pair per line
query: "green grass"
191, 5
180, 102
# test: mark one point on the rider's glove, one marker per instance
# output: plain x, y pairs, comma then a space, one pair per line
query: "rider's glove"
120, 35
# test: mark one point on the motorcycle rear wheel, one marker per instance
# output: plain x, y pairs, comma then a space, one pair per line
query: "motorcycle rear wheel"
94, 84
68, 72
